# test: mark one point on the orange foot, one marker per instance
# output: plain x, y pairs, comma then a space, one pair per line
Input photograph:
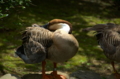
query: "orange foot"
117, 76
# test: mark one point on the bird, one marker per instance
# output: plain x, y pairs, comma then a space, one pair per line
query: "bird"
108, 37
53, 41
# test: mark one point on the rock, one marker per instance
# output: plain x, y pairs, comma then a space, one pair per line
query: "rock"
80, 74
39, 76
85, 75
9, 76
32, 76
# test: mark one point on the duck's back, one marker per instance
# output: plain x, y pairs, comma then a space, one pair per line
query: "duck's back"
38, 34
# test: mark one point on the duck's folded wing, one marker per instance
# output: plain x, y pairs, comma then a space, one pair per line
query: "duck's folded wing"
21, 54
34, 45
31, 52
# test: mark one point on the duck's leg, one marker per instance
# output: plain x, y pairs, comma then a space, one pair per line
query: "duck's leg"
117, 75
54, 73
44, 76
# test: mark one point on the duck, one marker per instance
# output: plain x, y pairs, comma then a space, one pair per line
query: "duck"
53, 41
108, 37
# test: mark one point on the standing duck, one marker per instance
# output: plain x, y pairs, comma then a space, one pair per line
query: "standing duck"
108, 37
53, 41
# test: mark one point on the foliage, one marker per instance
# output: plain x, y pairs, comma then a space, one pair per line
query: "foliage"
6, 5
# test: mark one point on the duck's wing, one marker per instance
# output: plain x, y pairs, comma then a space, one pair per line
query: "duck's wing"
36, 40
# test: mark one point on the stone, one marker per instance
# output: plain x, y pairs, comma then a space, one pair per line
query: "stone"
9, 76
39, 76
80, 74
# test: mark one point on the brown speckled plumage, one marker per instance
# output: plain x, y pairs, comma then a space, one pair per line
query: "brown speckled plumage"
108, 36
40, 43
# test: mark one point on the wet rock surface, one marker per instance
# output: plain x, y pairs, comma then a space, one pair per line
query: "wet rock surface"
85, 75
80, 74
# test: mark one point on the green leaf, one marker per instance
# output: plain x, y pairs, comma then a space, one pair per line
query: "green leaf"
11, 6
2, 1
7, 8
3, 15
23, 7
21, 2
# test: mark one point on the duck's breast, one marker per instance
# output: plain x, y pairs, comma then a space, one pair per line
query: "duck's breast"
64, 46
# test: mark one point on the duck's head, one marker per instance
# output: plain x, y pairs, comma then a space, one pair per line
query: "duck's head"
59, 24
99, 27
